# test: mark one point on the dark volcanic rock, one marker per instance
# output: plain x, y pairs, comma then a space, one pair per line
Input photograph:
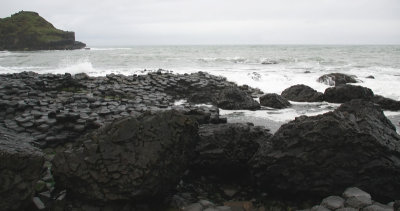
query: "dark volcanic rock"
269, 62
20, 167
274, 101
225, 149
386, 103
344, 93
202, 87
201, 97
202, 114
302, 93
233, 98
130, 159
396, 205
336, 79
55, 109
355, 145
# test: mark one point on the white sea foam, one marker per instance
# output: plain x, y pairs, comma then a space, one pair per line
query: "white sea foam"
235, 60
79, 67
391, 113
108, 49
241, 64
271, 81
19, 69
287, 114
386, 81
180, 102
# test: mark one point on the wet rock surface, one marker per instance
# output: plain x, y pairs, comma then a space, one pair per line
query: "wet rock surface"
355, 145
302, 93
274, 101
344, 93
205, 88
233, 98
336, 79
386, 103
20, 167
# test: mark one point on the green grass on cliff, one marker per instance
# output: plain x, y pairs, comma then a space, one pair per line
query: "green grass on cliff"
24, 28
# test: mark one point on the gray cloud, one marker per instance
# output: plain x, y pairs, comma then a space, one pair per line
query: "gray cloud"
141, 22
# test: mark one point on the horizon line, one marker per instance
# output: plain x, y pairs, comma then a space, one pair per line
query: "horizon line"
339, 44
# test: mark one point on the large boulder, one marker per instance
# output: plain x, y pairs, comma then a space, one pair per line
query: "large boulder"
336, 79
386, 103
20, 168
233, 98
355, 145
274, 101
134, 158
225, 149
302, 93
344, 93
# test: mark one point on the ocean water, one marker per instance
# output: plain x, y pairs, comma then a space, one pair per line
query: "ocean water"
286, 66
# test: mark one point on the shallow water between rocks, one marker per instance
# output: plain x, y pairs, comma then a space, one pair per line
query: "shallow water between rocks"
274, 118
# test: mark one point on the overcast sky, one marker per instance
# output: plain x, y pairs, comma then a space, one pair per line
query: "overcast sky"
169, 22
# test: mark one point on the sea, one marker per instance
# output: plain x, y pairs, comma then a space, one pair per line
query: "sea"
272, 68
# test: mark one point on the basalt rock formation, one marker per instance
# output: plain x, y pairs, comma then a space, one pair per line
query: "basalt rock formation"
233, 98
386, 103
336, 79
355, 145
55, 109
20, 168
302, 93
134, 158
225, 149
344, 93
274, 101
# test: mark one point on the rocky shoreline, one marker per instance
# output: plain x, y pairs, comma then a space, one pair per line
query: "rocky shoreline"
120, 143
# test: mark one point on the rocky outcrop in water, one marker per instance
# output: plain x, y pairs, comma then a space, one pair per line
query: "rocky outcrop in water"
336, 79
386, 103
28, 31
344, 93
274, 101
205, 88
233, 98
355, 145
20, 168
302, 93
131, 159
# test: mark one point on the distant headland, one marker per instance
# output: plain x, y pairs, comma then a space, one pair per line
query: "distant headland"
27, 31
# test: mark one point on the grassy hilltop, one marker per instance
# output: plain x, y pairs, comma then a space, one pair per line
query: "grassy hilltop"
29, 31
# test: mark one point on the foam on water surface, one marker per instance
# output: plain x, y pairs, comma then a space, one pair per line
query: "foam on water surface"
284, 66
274, 118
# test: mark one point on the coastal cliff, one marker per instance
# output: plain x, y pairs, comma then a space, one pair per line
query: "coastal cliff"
29, 31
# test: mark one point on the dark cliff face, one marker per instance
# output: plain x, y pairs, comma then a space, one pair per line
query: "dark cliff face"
29, 31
